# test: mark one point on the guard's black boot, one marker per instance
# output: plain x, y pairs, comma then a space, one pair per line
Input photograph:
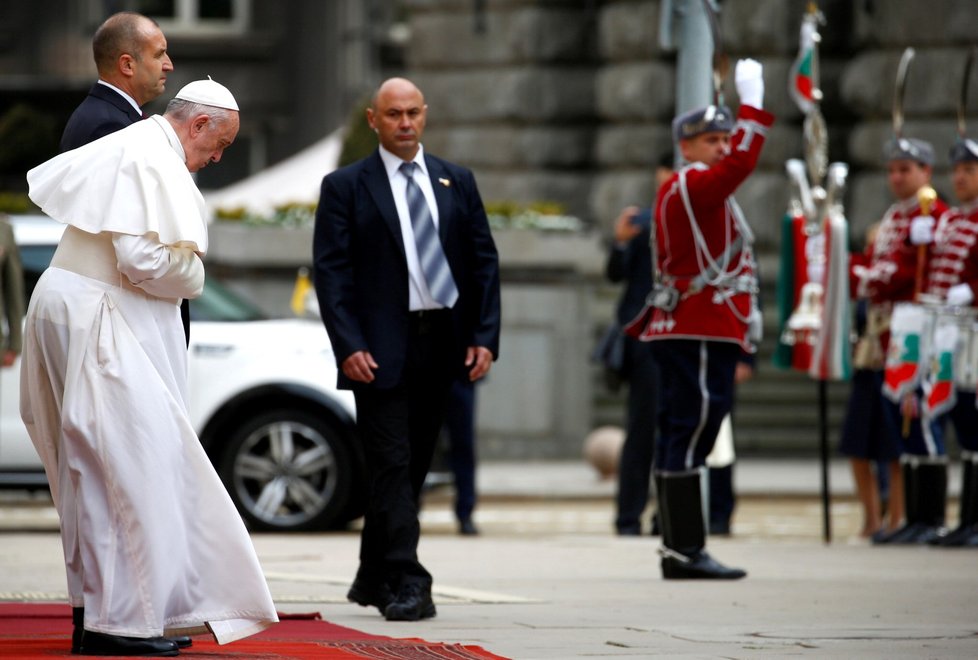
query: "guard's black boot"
684, 555
931, 493
968, 516
78, 626
911, 505
656, 525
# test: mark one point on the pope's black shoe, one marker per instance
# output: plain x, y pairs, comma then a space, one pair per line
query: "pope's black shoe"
78, 623
370, 595
413, 602
96, 643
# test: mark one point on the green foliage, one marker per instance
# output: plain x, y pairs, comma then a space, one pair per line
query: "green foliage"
14, 203
287, 215
543, 215
359, 140
28, 138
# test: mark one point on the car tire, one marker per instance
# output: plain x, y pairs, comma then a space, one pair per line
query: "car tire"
288, 470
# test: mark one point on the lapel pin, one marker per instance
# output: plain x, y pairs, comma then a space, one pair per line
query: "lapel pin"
444, 182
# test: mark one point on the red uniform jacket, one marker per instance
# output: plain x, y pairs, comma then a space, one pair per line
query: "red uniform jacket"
953, 257
892, 275
688, 242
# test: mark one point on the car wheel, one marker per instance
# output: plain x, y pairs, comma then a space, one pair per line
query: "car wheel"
287, 470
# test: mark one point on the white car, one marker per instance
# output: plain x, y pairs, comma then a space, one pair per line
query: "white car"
263, 400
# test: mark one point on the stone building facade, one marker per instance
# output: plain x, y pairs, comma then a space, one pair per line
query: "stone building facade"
571, 101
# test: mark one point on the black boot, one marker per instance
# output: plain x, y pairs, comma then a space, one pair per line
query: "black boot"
684, 556
722, 499
968, 516
931, 495
656, 525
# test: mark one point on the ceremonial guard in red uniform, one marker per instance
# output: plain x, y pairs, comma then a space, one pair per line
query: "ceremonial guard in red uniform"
702, 309
892, 277
952, 278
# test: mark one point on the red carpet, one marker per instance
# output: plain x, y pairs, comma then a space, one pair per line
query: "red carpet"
30, 632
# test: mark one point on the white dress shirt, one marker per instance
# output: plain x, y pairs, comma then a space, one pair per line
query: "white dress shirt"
131, 100
419, 296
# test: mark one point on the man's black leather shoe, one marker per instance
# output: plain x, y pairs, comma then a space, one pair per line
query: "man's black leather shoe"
96, 643
467, 528
370, 595
182, 641
696, 566
413, 603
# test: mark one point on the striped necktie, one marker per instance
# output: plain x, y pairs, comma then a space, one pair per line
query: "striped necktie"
434, 265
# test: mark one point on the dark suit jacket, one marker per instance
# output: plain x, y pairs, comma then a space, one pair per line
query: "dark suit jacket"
631, 263
361, 270
102, 112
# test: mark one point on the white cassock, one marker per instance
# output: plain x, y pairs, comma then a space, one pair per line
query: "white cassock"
152, 542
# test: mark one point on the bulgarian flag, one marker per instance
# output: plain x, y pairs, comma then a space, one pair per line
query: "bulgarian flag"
902, 370
832, 359
939, 394
801, 83
792, 352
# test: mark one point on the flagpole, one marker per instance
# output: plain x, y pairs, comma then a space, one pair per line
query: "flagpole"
823, 418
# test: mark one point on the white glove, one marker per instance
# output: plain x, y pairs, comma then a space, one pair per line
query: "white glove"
750, 83
960, 295
922, 230
862, 276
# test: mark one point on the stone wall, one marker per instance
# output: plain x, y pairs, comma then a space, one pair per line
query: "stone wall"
571, 101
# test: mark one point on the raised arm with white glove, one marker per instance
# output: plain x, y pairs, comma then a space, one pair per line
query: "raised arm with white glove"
164, 271
749, 81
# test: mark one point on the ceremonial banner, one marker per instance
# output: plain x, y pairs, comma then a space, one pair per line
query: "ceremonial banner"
903, 357
939, 392
832, 358
801, 82
794, 351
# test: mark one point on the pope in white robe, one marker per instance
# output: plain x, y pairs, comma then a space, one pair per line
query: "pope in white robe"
153, 544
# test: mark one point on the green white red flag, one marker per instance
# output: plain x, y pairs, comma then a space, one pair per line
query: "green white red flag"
938, 386
801, 81
904, 357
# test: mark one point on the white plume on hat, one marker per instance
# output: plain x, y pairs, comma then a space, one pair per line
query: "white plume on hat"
208, 92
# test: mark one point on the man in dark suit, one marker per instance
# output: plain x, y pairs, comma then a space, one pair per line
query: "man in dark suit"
408, 307
132, 62
630, 261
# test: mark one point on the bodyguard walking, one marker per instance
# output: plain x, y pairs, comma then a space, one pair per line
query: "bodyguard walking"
407, 278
